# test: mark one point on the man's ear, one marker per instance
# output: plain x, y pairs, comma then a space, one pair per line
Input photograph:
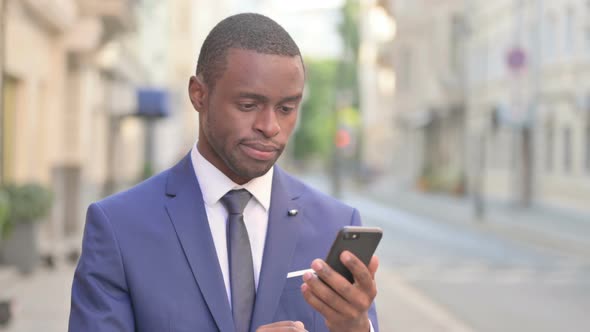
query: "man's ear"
197, 91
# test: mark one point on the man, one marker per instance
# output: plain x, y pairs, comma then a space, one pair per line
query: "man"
209, 244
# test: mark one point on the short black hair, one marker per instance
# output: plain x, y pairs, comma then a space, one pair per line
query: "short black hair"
247, 31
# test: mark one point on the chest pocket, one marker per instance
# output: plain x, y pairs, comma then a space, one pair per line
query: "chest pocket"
293, 284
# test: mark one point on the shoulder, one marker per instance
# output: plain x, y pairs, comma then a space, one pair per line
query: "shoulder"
313, 199
154, 191
145, 194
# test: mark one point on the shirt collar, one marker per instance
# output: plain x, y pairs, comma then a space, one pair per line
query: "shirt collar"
214, 184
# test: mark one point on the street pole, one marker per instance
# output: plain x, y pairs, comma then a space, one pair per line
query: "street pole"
528, 129
525, 127
478, 194
523, 108
478, 150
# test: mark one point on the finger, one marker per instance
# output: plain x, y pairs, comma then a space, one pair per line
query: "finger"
327, 274
334, 280
362, 275
282, 326
328, 295
373, 266
324, 309
358, 296
285, 323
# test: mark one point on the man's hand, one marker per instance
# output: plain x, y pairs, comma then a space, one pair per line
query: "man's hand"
344, 305
284, 326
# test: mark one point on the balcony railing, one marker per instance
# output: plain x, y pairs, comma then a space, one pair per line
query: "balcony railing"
58, 15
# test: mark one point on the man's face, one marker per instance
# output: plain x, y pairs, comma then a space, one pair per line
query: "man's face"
246, 120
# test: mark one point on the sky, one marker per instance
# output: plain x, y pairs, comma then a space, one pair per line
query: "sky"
312, 23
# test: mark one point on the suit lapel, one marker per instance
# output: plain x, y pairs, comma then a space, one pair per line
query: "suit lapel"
187, 213
281, 239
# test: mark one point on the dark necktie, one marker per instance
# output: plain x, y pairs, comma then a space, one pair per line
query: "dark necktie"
241, 269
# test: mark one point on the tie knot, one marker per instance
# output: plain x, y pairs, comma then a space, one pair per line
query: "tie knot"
235, 201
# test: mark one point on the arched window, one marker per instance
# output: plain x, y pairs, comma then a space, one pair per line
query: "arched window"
550, 37
570, 21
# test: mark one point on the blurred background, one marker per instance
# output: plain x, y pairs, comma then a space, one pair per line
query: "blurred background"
461, 127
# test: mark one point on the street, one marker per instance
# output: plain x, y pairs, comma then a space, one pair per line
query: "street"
487, 283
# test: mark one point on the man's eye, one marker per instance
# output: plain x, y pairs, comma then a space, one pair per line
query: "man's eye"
286, 109
247, 107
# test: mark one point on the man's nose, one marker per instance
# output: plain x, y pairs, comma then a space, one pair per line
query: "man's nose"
267, 122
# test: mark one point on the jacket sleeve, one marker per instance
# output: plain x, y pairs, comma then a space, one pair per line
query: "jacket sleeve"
100, 296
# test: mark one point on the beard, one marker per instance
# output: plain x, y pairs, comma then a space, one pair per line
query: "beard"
237, 161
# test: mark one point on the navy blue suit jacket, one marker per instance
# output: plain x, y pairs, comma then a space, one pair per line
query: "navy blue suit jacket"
148, 260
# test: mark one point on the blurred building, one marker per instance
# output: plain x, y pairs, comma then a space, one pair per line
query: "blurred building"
168, 51
377, 85
74, 117
414, 105
60, 72
492, 97
529, 100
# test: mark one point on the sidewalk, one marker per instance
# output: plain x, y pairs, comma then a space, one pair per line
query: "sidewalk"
41, 301
402, 307
565, 231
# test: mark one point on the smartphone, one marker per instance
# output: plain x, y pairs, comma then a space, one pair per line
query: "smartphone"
361, 241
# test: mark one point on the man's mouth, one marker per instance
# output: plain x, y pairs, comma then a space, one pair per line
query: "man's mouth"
260, 151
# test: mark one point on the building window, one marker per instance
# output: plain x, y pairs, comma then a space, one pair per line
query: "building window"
549, 147
550, 37
515, 151
405, 69
569, 31
567, 150
587, 146
8, 129
457, 35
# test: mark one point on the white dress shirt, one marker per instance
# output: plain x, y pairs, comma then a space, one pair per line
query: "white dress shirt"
214, 185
